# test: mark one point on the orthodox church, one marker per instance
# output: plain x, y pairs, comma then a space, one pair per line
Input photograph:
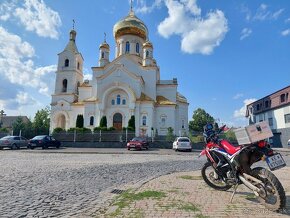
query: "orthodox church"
129, 85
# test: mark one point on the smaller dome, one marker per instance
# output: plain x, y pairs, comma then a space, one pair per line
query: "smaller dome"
147, 44
104, 45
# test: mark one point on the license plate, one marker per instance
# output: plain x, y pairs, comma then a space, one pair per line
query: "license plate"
275, 162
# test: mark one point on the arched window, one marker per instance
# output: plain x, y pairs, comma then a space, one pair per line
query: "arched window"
127, 47
144, 119
78, 65
124, 101
163, 120
182, 124
118, 99
103, 55
66, 62
137, 48
113, 101
91, 121
64, 85
147, 54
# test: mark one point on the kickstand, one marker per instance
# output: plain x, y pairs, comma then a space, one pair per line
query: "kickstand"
234, 192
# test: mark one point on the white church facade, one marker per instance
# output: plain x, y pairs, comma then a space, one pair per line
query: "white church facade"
129, 85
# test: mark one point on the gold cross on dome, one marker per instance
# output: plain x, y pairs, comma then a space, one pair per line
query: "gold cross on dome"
73, 24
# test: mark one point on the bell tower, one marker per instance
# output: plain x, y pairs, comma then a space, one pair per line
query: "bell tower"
104, 53
69, 74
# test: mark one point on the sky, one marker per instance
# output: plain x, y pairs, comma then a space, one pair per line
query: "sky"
225, 54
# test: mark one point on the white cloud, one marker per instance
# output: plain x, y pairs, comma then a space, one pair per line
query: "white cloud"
6, 10
240, 113
237, 96
287, 20
246, 10
88, 76
16, 65
285, 32
263, 13
198, 35
39, 18
143, 8
246, 32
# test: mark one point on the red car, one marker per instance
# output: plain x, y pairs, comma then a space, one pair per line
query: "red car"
138, 143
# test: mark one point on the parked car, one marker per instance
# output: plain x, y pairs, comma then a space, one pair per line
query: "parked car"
43, 141
138, 143
13, 142
182, 143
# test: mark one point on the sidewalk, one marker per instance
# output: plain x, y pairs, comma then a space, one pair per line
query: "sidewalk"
185, 194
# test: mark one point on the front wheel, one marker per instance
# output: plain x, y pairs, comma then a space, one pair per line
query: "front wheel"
212, 179
272, 193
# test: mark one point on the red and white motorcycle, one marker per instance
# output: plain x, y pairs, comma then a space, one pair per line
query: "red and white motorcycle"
229, 166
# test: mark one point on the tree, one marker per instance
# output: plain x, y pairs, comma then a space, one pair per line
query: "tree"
80, 121
103, 122
169, 135
41, 121
17, 126
199, 119
131, 123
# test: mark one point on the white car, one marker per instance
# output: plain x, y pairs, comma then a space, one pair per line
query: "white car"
182, 143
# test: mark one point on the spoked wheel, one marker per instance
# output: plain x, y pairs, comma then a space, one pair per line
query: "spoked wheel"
272, 193
212, 179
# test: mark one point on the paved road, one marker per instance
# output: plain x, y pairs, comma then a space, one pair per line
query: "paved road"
74, 182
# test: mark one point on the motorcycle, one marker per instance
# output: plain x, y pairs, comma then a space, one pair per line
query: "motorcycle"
228, 166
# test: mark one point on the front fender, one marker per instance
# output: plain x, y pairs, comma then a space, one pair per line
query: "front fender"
202, 153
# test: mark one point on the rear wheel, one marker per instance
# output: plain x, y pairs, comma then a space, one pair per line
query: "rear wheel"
272, 193
128, 148
14, 146
212, 179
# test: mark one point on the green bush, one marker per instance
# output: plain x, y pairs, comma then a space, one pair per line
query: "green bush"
131, 129
111, 128
58, 130
131, 123
4, 130
97, 129
79, 130
103, 122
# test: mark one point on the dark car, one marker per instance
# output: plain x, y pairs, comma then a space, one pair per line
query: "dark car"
13, 142
43, 141
138, 143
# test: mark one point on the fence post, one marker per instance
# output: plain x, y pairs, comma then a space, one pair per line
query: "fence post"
75, 135
126, 134
100, 139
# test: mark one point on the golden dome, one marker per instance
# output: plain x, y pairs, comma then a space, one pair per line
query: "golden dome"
130, 25
147, 44
104, 45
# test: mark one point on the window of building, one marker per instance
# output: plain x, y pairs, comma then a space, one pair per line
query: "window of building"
286, 97
258, 107
103, 54
64, 85
137, 48
144, 119
163, 120
270, 120
147, 54
118, 99
182, 124
78, 65
127, 47
124, 101
287, 118
66, 62
91, 120
266, 104
282, 98
113, 102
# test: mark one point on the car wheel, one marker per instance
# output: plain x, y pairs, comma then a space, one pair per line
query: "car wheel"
44, 147
128, 148
147, 148
13, 147
176, 150
57, 146
1, 148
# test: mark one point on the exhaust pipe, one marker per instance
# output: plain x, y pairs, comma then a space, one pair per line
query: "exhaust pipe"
249, 184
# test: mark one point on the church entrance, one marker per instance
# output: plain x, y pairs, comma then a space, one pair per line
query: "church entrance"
117, 121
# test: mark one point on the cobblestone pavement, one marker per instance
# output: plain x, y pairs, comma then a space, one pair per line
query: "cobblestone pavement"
36, 183
185, 194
